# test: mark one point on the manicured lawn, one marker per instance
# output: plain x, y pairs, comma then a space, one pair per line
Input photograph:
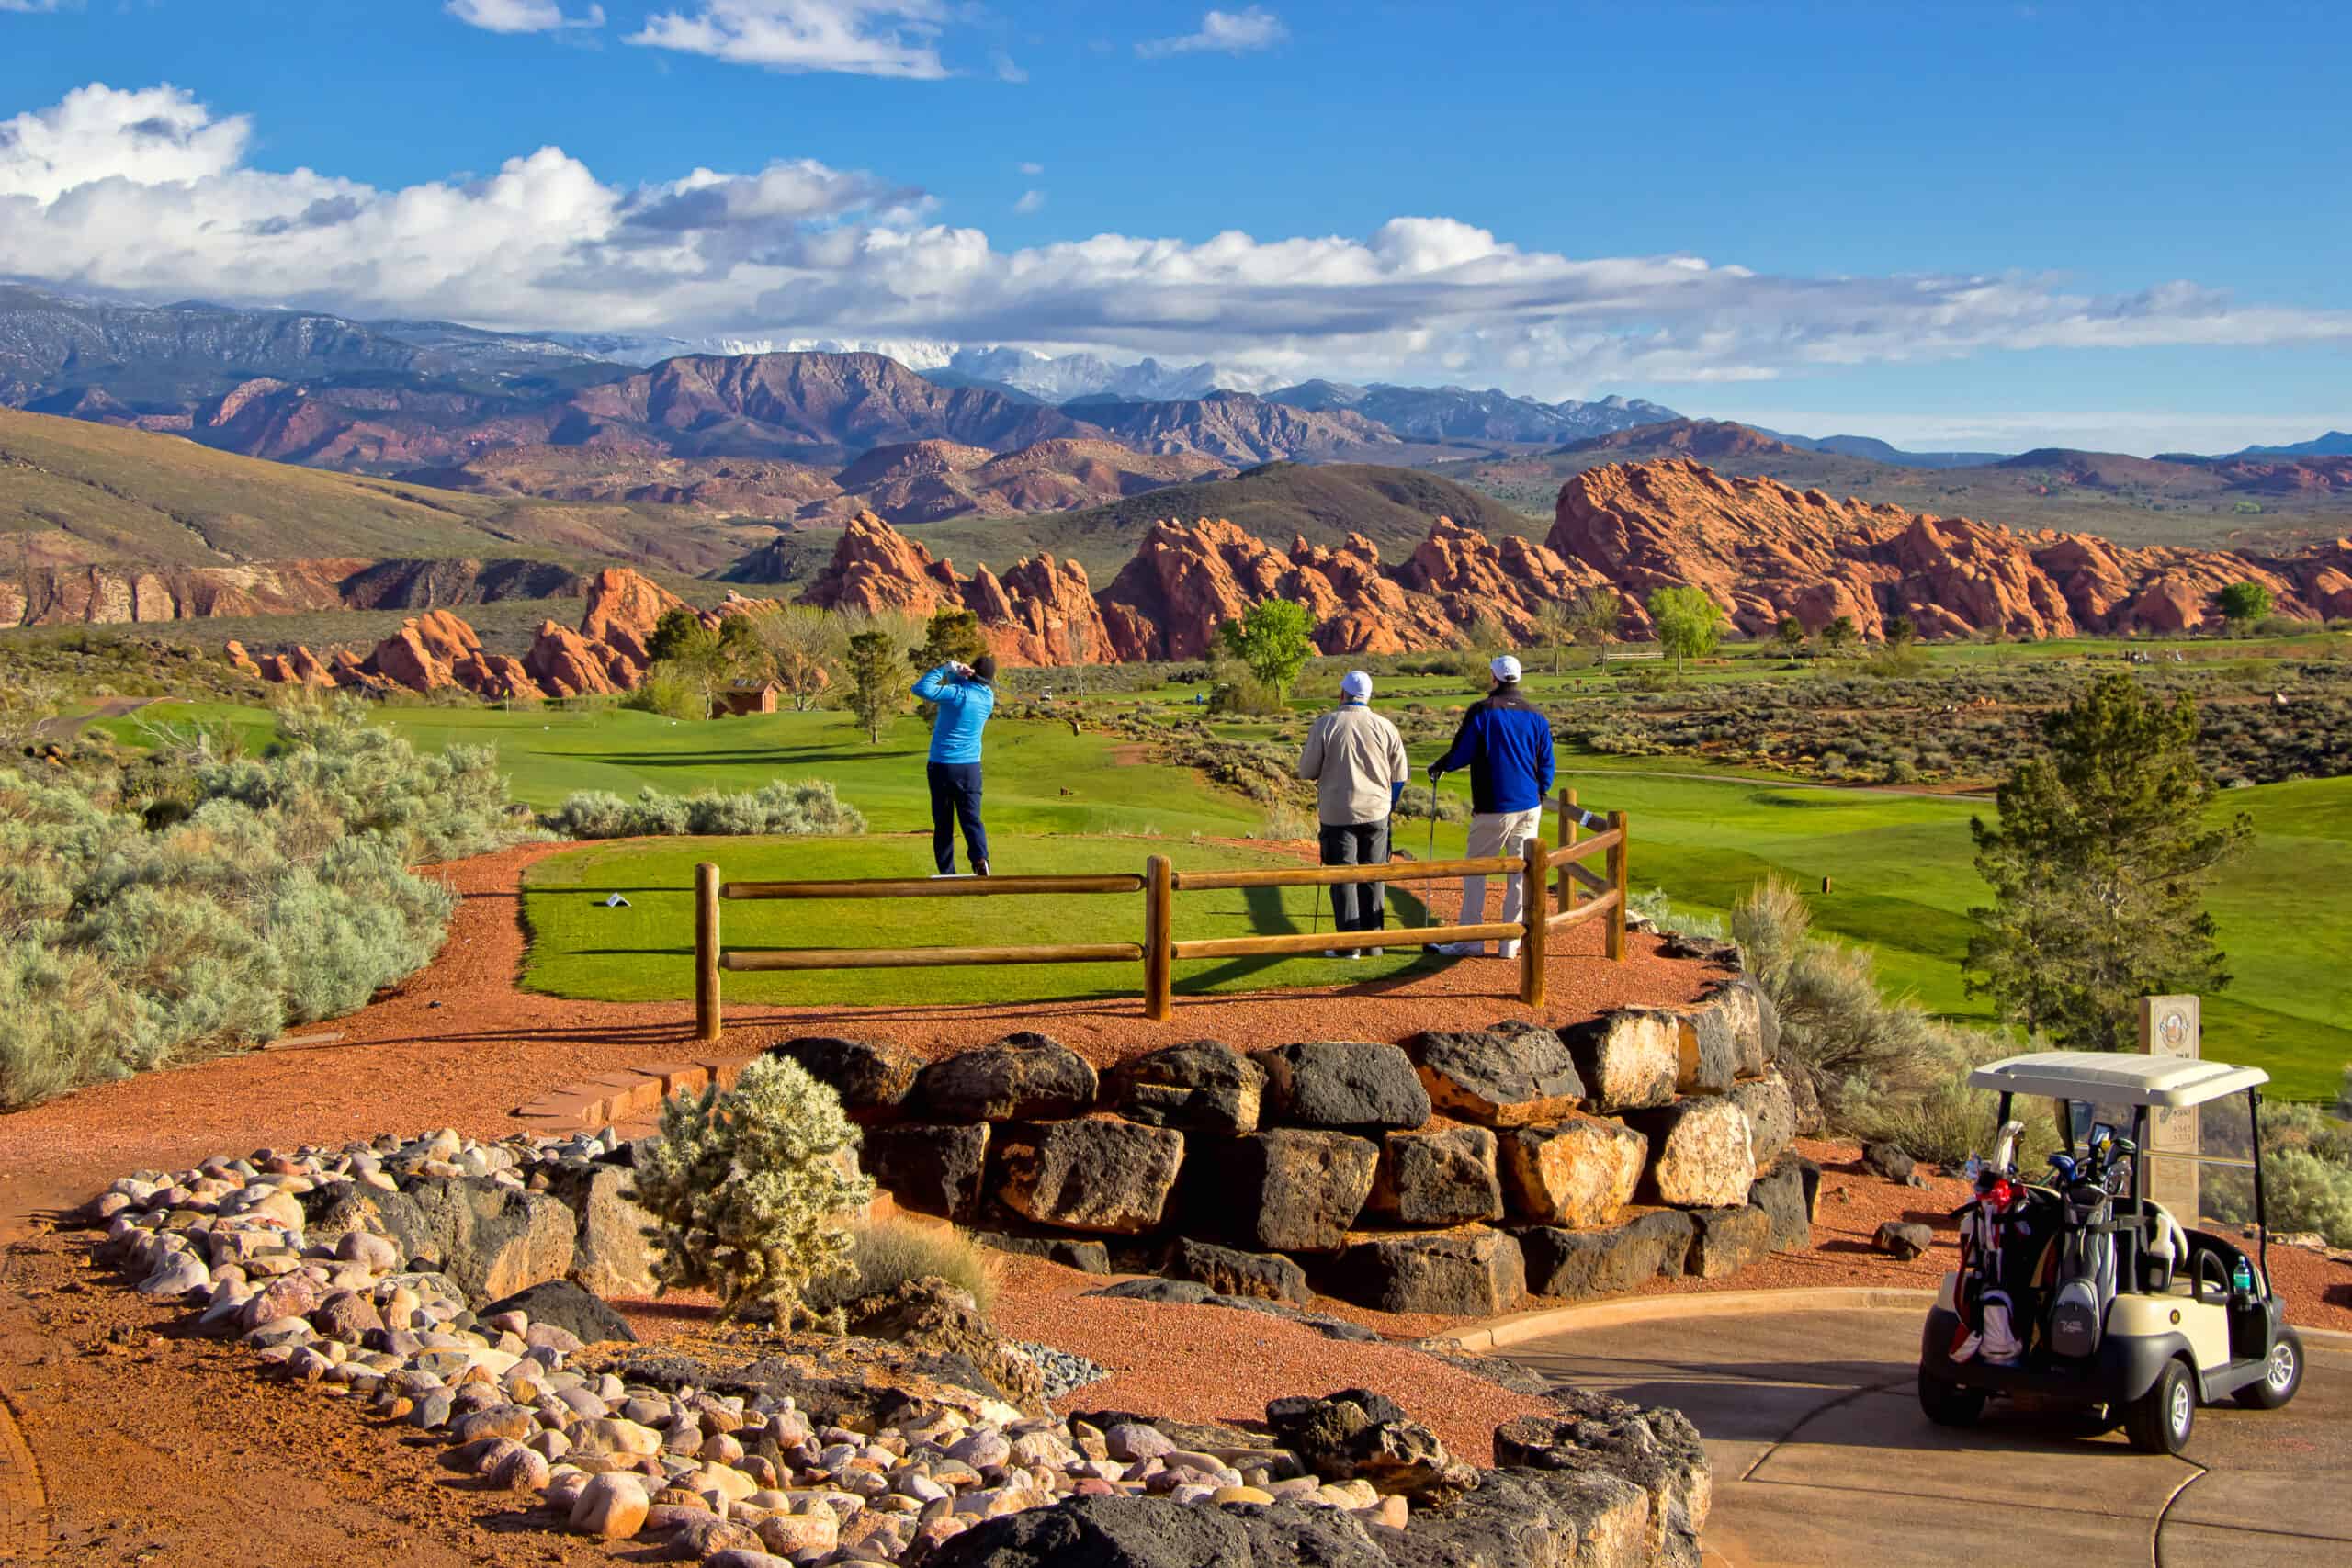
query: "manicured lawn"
581, 948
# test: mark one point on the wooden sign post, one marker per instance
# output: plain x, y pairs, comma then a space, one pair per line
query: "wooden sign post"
2169, 1027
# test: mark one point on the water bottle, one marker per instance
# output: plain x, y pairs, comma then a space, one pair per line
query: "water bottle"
2242, 1277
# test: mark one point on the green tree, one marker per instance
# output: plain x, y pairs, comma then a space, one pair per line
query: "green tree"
2242, 604
1273, 638
949, 635
1595, 613
875, 682
1840, 634
1690, 623
2098, 870
1901, 631
1790, 634
1556, 627
679, 634
804, 649
691, 661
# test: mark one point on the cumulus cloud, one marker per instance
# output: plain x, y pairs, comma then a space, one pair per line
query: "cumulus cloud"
521, 16
1222, 32
148, 193
863, 38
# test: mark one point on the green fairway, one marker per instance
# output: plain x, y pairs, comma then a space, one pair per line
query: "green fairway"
1702, 830
581, 948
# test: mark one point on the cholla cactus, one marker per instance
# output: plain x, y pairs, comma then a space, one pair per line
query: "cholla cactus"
749, 1188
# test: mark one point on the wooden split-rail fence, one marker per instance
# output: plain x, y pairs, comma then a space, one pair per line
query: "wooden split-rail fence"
1552, 905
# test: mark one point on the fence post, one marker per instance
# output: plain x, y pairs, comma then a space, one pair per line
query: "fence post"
1618, 879
1568, 834
1159, 938
1535, 914
707, 1019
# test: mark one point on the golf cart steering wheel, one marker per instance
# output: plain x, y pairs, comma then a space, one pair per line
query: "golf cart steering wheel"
2221, 1274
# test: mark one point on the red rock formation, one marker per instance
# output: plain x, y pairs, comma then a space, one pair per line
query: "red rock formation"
565, 664
1041, 611
623, 609
1765, 551
239, 660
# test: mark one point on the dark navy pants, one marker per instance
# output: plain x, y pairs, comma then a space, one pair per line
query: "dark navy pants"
955, 797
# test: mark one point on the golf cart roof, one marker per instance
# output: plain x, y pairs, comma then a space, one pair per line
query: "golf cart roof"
2114, 1080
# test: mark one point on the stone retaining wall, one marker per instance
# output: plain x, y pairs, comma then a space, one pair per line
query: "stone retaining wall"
1453, 1173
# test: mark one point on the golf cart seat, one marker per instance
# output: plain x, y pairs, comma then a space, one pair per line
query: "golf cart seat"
2164, 1246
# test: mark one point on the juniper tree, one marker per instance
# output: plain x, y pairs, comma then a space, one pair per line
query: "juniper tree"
2098, 867
875, 685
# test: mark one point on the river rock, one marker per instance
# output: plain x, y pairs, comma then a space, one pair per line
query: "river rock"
1471, 1272
1204, 1085
1092, 1175
611, 1506
1578, 1265
1509, 1076
1629, 1059
868, 1075
1022, 1077
1579, 1173
931, 1167
1355, 1085
1442, 1178
1291, 1190
1700, 1155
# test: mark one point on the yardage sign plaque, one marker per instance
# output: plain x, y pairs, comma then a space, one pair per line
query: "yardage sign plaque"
2169, 1027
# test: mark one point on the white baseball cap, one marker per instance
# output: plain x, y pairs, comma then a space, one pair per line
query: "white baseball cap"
1505, 668
1356, 685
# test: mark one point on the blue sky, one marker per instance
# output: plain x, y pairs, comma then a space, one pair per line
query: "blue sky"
1968, 224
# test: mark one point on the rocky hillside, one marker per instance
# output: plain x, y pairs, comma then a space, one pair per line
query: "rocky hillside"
1765, 550
918, 481
1240, 428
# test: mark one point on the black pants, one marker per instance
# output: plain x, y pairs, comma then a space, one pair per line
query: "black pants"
955, 797
1357, 906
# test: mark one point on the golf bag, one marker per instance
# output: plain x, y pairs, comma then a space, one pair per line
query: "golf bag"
2086, 1272
2000, 1233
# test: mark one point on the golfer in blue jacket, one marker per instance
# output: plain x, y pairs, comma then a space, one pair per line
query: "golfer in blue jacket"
1505, 743
964, 696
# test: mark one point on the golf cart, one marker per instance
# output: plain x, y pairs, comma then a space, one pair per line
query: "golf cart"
2077, 1289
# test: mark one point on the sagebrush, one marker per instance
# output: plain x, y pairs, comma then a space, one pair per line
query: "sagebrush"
891, 1253
809, 806
196, 902
749, 1188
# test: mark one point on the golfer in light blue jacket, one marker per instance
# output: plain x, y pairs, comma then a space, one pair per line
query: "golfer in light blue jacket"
965, 695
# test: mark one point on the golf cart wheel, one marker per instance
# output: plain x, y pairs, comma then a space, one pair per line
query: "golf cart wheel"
2160, 1420
1949, 1404
2280, 1379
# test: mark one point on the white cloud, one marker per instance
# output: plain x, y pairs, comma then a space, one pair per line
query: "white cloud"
1225, 32
863, 38
521, 16
1007, 70
1032, 170
148, 193
1030, 200
37, 7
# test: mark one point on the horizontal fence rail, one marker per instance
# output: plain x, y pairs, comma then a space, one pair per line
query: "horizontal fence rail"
1578, 895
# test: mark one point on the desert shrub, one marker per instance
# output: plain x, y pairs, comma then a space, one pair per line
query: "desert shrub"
887, 1253
669, 694
1238, 692
1658, 909
777, 808
1420, 802
1771, 924
1285, 821
747, 1188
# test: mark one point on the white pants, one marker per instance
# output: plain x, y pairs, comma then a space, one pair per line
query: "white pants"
1498, 833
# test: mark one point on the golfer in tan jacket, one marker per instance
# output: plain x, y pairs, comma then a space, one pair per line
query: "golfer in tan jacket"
1357, 760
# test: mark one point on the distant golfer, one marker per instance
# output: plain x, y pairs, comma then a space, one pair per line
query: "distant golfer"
964, 696
1357, 760
1507, 745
